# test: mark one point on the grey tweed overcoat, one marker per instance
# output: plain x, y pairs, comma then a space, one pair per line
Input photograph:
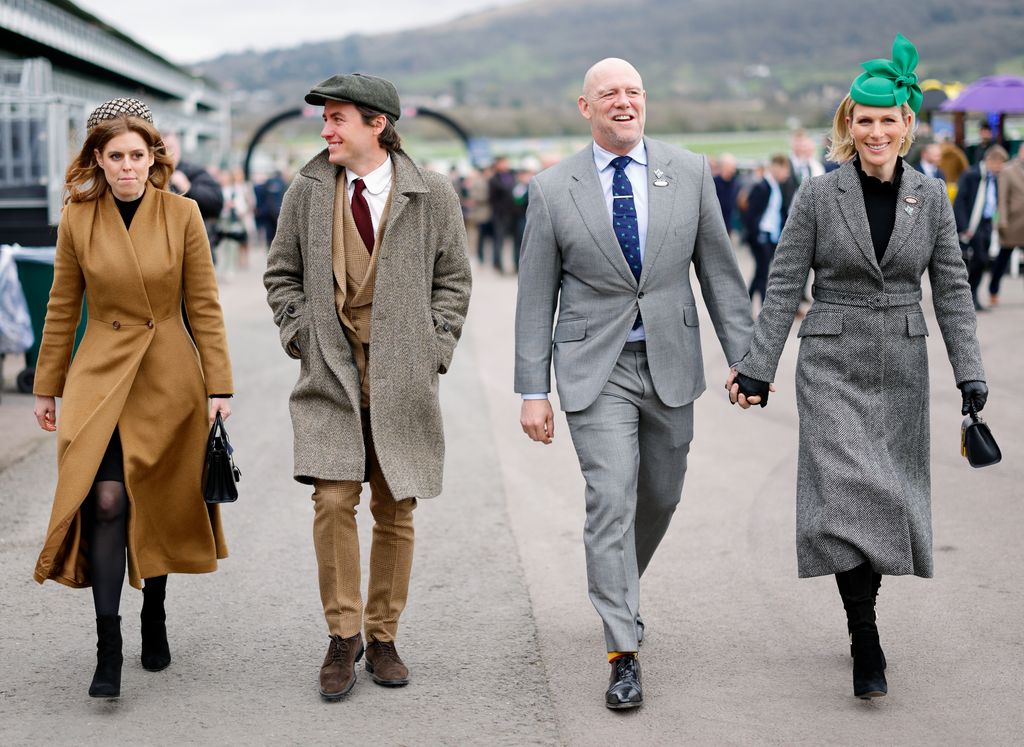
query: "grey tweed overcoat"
863, 489
421, 296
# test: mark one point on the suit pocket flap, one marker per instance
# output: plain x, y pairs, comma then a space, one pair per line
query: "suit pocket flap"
690, 316
916, 325
568, 330
821, 323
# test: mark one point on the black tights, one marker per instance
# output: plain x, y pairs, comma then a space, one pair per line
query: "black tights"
106, 514
107, 525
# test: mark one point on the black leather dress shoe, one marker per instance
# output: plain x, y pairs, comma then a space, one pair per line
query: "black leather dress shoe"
624, 688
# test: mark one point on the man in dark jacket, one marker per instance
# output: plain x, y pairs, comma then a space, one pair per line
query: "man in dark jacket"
767, 208
193, 181
504, 211
977, 199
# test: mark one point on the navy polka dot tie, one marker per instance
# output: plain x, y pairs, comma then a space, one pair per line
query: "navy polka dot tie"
627, 231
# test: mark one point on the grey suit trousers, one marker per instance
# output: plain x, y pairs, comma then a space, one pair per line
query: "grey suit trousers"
632, 450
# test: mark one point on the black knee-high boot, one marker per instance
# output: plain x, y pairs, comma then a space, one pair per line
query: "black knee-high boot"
156, 652
858, 588
106, 682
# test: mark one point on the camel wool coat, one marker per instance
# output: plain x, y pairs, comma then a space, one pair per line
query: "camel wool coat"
136, 369
862, 390
1011, 204
420, 300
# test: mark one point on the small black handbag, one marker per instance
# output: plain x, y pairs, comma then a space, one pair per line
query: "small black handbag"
219, 472
977, 443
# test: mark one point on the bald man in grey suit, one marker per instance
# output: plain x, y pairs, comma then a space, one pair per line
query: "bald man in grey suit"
611, 234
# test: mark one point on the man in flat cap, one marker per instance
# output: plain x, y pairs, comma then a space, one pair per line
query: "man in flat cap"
369, 283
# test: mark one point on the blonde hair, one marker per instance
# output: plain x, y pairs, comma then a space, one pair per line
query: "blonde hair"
84, 179
843, 148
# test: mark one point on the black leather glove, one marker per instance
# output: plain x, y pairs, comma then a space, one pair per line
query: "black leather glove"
752, 388
974, 393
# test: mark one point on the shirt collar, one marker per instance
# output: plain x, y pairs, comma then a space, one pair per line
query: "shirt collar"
376, 181
603, 158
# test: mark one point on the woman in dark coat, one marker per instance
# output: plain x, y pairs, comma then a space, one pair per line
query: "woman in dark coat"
869, 230
133, 418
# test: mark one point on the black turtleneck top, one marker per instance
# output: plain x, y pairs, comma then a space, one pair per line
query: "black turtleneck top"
880, 204
127, 209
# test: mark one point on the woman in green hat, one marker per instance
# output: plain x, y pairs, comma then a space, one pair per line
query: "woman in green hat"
869, 230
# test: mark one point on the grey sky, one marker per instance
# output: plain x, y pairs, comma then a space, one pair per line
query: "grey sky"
187, 31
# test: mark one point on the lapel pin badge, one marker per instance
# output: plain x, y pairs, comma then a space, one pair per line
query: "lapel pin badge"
910, 210
659, 178
910, 200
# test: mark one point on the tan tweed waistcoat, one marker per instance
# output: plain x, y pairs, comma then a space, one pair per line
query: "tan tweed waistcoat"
355, 270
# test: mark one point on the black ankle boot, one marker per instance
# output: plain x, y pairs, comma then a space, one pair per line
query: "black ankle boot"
156, 653
868, 666
106, 682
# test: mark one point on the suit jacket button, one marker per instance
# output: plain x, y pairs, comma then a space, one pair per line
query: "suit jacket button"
116, 325
640, 294
149, 323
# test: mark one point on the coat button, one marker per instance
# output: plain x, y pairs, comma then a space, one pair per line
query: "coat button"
149, 323
116, 325
640, 294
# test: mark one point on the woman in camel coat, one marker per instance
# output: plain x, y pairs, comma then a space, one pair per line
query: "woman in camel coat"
133, 420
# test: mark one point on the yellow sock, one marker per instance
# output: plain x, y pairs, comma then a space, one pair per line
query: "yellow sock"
613, 655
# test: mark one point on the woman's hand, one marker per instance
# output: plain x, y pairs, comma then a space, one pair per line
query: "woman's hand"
221, 405
45, 411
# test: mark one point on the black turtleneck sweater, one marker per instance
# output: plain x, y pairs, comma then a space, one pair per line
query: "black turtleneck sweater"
880, 204
127, 209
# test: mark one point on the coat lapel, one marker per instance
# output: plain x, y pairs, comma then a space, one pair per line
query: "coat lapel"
851, 204
587, 193
660, 203
906, 213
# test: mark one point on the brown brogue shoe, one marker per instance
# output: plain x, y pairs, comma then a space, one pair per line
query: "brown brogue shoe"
338, 673
384, 664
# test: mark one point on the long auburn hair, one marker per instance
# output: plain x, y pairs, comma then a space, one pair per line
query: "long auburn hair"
85, 180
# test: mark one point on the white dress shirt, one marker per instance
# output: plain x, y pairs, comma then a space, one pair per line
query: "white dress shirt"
771, 221
636, 172
378, 187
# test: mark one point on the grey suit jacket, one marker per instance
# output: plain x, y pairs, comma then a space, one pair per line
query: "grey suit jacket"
571, 259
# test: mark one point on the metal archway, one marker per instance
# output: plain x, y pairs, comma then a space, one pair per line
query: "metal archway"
477, 147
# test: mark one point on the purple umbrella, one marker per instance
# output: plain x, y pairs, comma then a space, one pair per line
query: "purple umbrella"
1002, 94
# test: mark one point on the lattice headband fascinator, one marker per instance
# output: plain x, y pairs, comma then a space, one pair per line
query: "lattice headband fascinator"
890, 82
121, 107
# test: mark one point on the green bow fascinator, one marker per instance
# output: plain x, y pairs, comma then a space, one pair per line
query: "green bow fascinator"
890, 82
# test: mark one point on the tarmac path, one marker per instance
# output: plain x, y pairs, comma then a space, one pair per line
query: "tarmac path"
503, 644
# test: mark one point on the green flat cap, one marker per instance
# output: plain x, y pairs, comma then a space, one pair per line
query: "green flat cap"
890, 82
365, 90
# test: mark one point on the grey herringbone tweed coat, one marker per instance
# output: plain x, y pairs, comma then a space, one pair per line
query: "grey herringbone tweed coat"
421, 295
863, 488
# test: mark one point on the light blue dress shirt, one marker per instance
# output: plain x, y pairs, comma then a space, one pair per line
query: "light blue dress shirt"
636, 171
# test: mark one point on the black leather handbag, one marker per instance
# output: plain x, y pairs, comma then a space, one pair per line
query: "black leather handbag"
219, 472
977, 443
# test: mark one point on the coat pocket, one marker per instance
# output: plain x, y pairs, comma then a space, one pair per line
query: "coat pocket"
568, 330
821, 323
690, 316
916, 325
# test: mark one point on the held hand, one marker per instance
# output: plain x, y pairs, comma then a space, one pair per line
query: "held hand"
223, 406
45, 411
538, 420
975, 393
734, 391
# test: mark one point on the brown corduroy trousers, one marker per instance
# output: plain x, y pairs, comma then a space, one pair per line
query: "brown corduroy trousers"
336, 540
